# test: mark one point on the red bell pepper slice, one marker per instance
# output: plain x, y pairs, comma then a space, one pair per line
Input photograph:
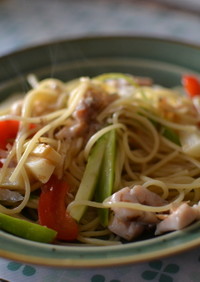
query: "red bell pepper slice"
8, 132
52, 210
191, 84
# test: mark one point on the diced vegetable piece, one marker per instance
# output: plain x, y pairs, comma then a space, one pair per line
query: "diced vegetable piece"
52, 210
191, 85
190, 142
8, 129
47, 152
18, 184
90, 178
26, 229
40, 168
106, 177
116, 75
171, 135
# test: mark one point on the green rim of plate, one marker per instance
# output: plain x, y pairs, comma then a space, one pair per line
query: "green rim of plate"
165, 61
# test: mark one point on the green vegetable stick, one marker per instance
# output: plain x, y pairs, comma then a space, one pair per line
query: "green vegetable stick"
90, 177
171, 135
26, 229
113, 75
106, 177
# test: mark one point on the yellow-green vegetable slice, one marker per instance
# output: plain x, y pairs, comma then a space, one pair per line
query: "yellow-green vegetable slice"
106, 177
27, 230
90, 178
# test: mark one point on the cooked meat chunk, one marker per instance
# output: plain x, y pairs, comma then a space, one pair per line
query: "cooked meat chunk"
128, 223
84, 118
137, 194
126, 229
181, 217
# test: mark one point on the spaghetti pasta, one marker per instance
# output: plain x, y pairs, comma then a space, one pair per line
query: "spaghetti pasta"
148, 171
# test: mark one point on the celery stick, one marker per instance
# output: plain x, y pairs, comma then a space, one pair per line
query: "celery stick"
26, 229
90, 178
106, 177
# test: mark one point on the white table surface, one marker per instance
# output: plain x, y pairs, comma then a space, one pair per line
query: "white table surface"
29, 22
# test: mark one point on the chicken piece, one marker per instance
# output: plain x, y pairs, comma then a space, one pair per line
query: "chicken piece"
126, 229
137, 194
181, 217
130, 223
146, 197
84, 120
